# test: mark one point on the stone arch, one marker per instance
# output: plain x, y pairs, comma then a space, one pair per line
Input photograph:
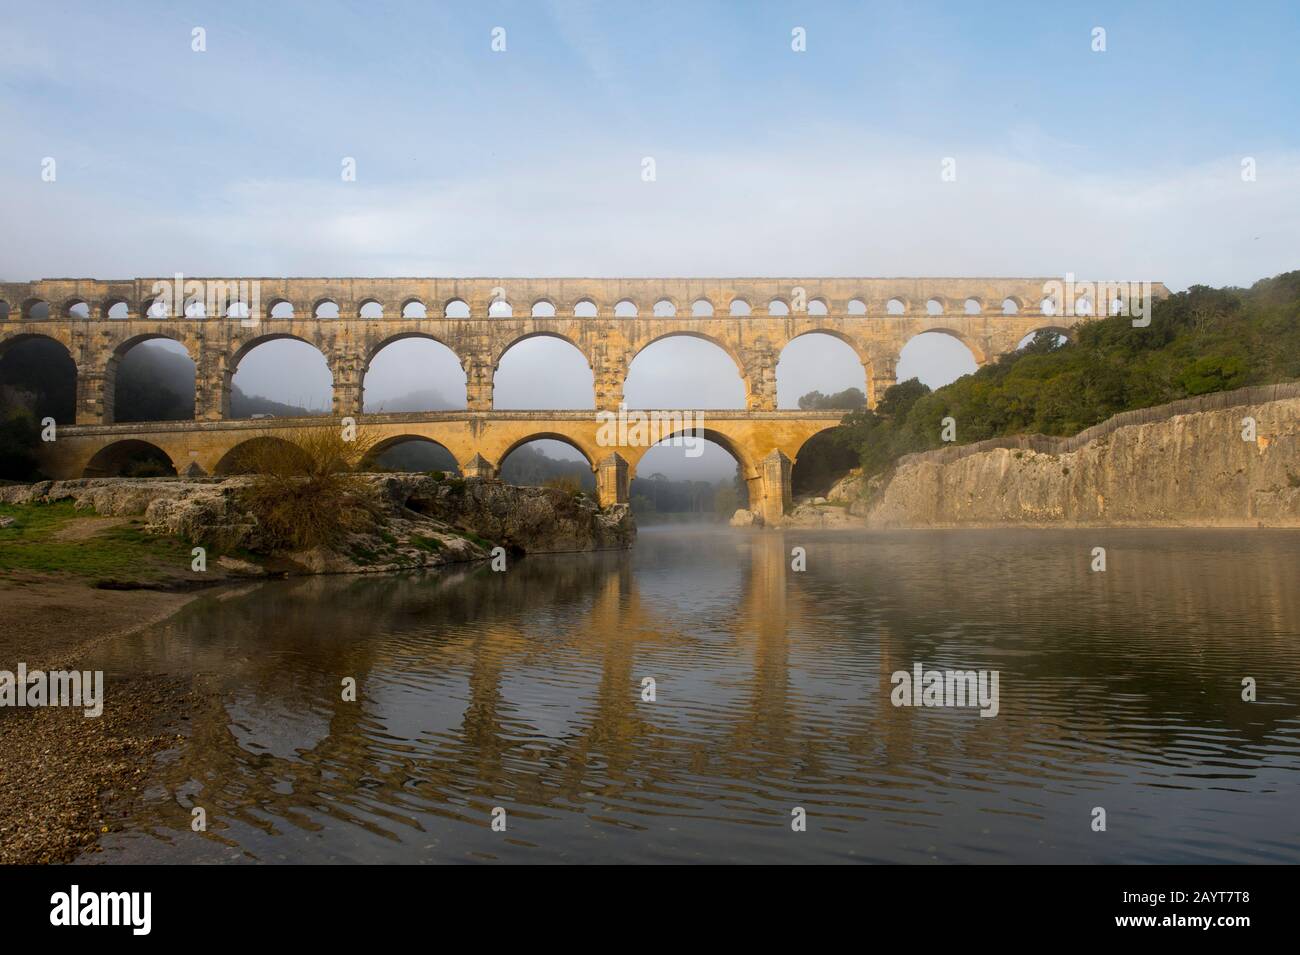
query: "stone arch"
322, 307
626, 308
113, 408
275, 305
500, 375
973, 305
711, 339
460, 390
501, 308
684, 384
818, 306
154, 307
370, 308
115, 308
585, 308
862, 374
236, 361
381, 448
76, 307
748, 466
814, 472
936, 305
4, 310
896, 305
856, 306
665, 306
456, 307
702, 308
1012, 305
778, 306
591, 455
120, 458
413, 307
542, 308
739, 306
242, 351
974, 347
36, 309
55, 388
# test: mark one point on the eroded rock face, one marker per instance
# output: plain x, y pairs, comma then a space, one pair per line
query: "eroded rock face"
1188, 470
419, 521
746, 518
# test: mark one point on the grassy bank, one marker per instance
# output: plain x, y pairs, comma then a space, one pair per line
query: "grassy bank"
57, 538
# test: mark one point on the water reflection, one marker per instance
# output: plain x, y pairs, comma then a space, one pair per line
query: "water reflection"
523, 690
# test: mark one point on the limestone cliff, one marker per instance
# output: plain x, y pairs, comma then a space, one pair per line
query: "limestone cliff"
1185, 464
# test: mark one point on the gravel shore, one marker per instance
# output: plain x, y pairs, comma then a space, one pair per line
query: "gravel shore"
64, 778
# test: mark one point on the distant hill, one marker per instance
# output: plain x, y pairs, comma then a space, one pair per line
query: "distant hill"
425, 399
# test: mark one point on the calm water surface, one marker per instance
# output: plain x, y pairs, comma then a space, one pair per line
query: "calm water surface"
523, 690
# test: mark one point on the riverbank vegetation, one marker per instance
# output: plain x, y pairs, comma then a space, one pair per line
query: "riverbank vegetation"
1200, 341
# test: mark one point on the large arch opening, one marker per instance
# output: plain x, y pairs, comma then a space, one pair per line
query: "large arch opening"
543, 372
130, 458
820, 370
413, 373
684, 371
281, 377
411, 452
152, 380
821, 462
548, 461
937, 358
689, 477
38, 376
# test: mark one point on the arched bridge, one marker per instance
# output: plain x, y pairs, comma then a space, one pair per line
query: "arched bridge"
610, 321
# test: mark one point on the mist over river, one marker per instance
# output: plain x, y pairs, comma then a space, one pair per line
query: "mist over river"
523, 690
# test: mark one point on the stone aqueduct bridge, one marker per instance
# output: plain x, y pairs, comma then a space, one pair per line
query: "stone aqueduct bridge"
610, 321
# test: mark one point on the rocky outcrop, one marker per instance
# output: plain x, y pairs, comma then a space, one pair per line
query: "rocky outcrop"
1196, 463
418, 520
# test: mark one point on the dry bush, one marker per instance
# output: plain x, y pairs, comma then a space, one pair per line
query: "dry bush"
305, 491
565, 482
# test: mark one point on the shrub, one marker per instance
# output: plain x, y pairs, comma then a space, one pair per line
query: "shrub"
305, 491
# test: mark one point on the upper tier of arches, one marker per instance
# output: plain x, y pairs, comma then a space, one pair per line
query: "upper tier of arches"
415, 299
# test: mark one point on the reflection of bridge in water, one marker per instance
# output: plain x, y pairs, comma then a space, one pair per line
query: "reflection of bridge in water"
609, 321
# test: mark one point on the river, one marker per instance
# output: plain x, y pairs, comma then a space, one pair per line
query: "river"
523, 691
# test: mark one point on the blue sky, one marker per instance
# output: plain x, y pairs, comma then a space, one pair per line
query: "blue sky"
1115, 165
768, 161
